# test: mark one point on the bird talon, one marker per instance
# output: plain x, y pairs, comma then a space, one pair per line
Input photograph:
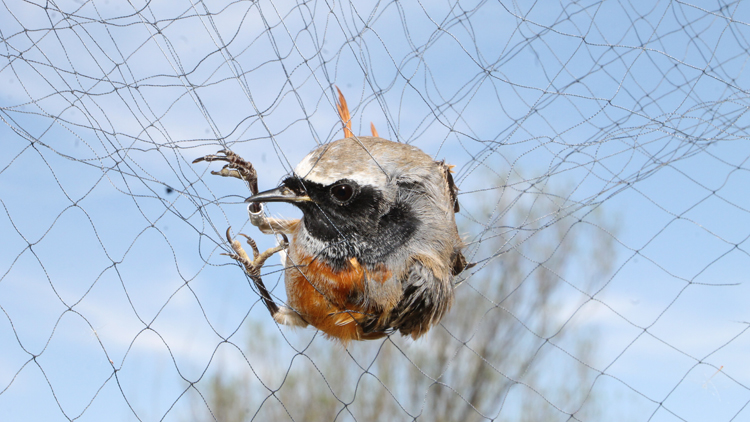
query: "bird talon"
252, 268
236, 167
231, 255
285, 239
245, 262
252, 244
239, 254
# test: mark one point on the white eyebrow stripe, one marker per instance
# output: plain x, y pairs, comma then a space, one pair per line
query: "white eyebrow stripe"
362, 178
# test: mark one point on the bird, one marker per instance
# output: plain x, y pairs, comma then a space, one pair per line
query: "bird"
377, 248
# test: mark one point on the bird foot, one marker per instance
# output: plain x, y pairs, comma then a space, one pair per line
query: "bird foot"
253, 267
236, 167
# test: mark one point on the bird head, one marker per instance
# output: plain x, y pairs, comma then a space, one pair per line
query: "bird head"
371, 199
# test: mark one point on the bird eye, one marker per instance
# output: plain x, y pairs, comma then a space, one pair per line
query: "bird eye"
342, 192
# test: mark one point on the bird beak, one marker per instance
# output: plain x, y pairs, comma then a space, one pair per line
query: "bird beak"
280, 194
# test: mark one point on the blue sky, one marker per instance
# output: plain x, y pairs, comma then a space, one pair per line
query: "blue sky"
637, 109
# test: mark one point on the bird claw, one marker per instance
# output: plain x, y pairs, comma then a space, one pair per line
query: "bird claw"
236, 167
245, 263
253, 267
252, 244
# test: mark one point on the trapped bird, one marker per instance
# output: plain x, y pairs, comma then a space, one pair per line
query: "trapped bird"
377, 247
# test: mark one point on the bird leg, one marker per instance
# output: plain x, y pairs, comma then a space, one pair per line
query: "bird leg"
280, 314
270, 225
238, 168
253, 267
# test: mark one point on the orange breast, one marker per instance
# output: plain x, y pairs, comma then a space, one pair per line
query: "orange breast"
322, 296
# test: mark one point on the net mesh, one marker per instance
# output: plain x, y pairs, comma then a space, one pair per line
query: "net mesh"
600, 150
